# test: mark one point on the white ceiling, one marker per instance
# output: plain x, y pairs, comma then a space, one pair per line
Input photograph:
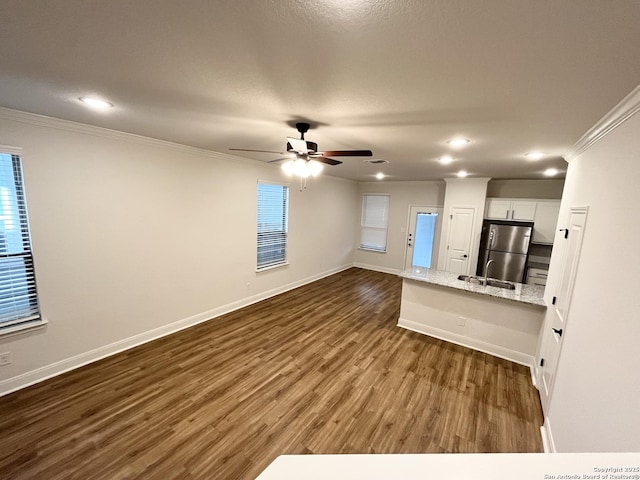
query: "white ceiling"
399, 77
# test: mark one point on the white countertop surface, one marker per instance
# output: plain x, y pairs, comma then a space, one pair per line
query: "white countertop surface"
456, 466
529, 294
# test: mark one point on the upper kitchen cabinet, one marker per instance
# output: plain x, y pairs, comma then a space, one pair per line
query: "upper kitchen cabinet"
543, 214
510, 209
545, 221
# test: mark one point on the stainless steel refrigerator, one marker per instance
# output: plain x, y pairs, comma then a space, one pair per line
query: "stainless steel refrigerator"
507, 244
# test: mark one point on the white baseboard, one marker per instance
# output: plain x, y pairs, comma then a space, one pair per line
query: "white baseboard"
377, 268
43, 373
548, 444
495, 350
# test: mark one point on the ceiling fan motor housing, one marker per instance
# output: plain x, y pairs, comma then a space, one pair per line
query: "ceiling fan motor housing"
312, 147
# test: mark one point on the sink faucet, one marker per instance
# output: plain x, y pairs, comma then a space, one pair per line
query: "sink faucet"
486, 272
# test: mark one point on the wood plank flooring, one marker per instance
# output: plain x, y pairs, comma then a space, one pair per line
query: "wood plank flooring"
319, 369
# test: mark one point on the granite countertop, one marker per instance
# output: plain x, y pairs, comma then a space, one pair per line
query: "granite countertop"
529, 294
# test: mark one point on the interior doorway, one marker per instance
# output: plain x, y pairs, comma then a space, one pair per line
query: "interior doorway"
423, 236
556, 323
459, 239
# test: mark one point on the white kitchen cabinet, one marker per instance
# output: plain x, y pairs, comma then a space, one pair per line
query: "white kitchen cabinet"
498, 209
545, 221
509, 209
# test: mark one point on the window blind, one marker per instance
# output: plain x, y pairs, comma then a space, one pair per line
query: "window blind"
273, 212
18, 296
375, 213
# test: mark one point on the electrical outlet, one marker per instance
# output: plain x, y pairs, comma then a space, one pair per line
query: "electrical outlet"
5, 358
462, 321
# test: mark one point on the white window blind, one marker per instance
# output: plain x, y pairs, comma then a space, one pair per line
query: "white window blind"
375, 216
18, 296
273, 213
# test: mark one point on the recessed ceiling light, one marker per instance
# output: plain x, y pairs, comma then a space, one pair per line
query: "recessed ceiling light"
445, 159
550, 172
462, 173
458, 142
96, 103
379, 175
534, 155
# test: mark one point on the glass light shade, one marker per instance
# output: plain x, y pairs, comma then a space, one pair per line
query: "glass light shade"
300, 168
314, 167
288, 167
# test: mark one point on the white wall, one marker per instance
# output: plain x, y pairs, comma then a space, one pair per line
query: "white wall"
403, 194
525, 188
594, 404
134, 238
464, 192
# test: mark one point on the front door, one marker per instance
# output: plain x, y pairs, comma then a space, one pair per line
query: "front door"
423, 237
459, 239
554, 332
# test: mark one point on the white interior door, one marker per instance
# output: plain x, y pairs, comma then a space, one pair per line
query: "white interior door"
459, 239
555, 327
423, 236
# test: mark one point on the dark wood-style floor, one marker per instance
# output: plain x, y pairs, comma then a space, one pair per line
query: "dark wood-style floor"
320, 369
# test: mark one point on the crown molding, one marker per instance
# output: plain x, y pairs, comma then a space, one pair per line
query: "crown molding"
628, 107
69, 126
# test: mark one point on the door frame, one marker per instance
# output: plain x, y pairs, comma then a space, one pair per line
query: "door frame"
437, 236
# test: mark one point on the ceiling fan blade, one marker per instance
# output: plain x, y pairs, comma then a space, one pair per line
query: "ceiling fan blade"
328, 161
279, 159
261, 151
346, 153
297, 145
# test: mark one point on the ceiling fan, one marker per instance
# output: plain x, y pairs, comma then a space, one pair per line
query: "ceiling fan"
306, 150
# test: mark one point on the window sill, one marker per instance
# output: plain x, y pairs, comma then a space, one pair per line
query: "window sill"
272, 267
23, 327
371, 250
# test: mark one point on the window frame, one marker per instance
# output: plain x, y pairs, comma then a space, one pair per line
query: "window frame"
283, 258
31, 316
374, 227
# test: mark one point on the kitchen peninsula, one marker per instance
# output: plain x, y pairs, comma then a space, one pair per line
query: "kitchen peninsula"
505, 323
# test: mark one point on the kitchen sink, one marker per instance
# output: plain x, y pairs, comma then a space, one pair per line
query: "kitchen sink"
492, 282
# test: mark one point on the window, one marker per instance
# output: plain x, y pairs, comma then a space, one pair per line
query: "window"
273, 213
18, 298
375, 215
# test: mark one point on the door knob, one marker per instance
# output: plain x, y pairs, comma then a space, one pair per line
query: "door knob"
557, 330
464, 256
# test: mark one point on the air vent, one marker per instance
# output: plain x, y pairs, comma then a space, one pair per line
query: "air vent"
376, 162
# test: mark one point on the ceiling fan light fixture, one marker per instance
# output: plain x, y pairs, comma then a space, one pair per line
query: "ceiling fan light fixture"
288, 167
315, 168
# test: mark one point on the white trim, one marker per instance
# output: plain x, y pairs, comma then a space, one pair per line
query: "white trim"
272, 267
11, 150
35, 376
365, 249
377, 268
628, 106
532, 371
57, 123
484, 347
548, 444
22, 327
